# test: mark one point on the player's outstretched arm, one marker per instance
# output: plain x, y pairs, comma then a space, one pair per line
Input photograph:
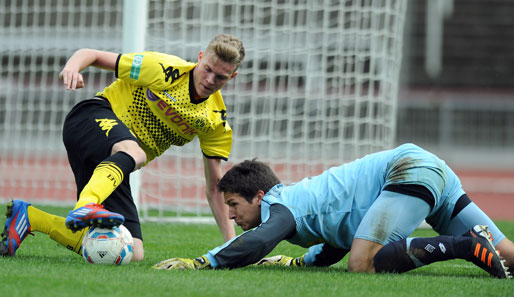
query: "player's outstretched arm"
183, 264
245, 249
318, 255
80, 60
213, 173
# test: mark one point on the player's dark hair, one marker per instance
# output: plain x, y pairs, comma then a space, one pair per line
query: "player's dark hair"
247, 178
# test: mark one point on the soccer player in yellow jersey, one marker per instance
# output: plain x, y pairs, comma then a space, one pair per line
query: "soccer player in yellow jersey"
157, 101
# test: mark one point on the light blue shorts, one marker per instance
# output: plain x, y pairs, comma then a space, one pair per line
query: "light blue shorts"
395, 216
414, 165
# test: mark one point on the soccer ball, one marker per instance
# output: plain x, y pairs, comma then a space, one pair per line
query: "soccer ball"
108, 246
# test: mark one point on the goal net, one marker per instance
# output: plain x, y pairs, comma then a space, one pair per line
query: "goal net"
37, 37
317, 88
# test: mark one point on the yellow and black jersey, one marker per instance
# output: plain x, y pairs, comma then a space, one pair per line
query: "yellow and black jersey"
153, 96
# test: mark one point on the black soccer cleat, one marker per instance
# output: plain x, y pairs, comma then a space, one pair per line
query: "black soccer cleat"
484, 255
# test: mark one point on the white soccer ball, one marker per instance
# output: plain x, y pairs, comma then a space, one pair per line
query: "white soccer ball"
108, 246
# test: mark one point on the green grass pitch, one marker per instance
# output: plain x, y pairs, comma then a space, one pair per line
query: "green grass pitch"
44, 268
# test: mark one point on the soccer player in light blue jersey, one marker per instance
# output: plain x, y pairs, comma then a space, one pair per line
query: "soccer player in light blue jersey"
367, 207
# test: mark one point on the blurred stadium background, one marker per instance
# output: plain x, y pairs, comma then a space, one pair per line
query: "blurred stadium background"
455, 94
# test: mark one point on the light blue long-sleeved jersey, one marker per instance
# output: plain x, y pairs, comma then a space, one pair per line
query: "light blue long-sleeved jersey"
328, 208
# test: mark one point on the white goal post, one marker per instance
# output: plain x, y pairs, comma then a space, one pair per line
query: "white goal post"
318, 87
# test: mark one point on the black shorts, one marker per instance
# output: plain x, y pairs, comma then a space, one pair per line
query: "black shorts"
88, 143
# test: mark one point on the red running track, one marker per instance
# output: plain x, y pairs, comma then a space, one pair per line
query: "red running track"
52, 180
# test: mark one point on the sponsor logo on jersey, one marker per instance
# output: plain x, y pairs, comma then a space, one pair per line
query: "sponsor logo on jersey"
106, 124
151, 96
170, 73
136, 67
171, 114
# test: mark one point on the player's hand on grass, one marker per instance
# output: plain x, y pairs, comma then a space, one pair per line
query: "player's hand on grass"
282, 260
184, 264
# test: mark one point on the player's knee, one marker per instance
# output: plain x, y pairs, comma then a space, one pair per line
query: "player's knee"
139, 157
393, 258
360, 263
139, 251
138, 256
361, 255
133, 149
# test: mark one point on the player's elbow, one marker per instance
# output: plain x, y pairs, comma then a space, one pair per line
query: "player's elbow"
212, 193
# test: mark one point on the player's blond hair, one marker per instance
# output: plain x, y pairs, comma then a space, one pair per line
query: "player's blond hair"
228, 48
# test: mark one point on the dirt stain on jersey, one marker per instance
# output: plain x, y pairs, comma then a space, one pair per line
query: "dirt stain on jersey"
399, 171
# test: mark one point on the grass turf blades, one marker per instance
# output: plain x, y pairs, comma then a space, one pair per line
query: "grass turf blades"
44, 268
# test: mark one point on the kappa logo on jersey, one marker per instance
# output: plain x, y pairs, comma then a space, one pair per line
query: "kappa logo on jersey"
106, 124
170, 73
223, 114
136, 66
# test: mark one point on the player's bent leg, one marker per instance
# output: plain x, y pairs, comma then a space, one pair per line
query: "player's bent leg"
392, 217
106, 178
54, 226
133, 149
23, 218
410, 253
139, 252
470, 216
361, 255
466, 219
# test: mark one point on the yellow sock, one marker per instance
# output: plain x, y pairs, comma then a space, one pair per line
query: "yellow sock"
105, 179
54, 226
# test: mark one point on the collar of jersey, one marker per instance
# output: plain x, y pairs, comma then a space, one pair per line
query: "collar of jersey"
192, 89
